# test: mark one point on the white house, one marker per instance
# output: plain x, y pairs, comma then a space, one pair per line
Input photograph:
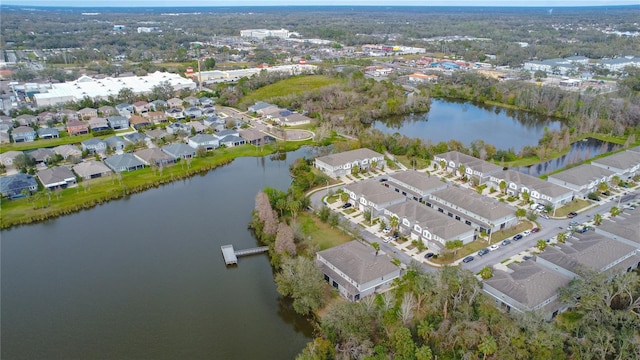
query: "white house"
540, 191
582, 179
341, 164
370, 195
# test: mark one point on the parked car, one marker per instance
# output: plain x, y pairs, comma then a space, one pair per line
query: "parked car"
386, 230
526, 233
468, 259
574, 223
572, 215
387, 239
535, 230
383, 180
494, 247
505, 242
515, 238
428, 255
526, 257
546, 217
483, 252
346, 205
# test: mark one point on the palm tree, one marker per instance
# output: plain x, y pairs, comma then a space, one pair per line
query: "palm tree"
503, 186
541, 244
443, 164
526, 196
597, 219
603, 186
454, 245
488, 346
394, 222
561, 237
462, 170
376, 246
615, 211
520, 213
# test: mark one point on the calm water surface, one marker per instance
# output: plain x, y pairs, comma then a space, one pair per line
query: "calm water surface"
144, 278
466, 122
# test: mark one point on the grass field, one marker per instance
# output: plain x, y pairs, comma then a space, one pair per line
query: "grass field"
293, 85
321, 233
575, 205
45, 143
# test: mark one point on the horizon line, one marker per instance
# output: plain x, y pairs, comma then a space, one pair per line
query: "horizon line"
316, 5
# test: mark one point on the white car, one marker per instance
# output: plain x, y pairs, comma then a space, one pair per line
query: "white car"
526, 233
387, 239
494, 247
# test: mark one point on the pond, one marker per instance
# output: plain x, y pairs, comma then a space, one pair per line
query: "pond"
144, 277
467, 122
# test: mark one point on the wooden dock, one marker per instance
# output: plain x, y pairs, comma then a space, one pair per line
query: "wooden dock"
231, 256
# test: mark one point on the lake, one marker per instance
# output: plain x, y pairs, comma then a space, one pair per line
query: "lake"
467, 122
144, 277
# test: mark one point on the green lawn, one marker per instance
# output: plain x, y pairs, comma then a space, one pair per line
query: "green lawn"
291, 86
575, 205
62, 140
321, 233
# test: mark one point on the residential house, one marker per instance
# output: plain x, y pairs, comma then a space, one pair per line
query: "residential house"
481, 212
136, 138
192, 100
141, 107
213, 120
87, 113
125, 109
527, 286
625, 164
206, 141
197, 126
178, 128
421, 78
27, 120
231, 141
48, 133
154, 156
592, 251
356, 269
205, 101
255, 137
76, 127
208, 110
434, 229
294, 119
6, 158
414, 184
541, 191
123, 162
158, 105
456, 161
45, 117
138, 122
118, 122
68, 115
192, 112
157, 117
179, 151
115, 142
4, 138
67, 150
57, 177
99, 124
343, 163
582, 179
41, 156
156, 134
91, 169
14, 186
370, 195
259, 106
174, 113
174, 103
94, 145
273, 113
624, 228
106, 111
23, 134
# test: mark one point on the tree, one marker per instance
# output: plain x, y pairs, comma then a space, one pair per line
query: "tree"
424, 353
394, 222
126, 95
443, 164
603, 186
403, 344
376, 246
615, 180
561, 237
615, 211
525, 196
486, 272
520, 213
209, 63
503, 186
284, 240
201, 152
488, 346
597, 219
162, 91
541, 244
301, 279
23, 162
454, 245
462, 170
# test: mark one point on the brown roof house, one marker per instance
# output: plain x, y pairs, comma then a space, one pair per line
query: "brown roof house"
76, 127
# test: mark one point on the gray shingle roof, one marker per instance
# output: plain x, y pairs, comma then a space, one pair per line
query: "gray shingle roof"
436, 222
359, 261
88, 168
529, 284
373, 191
622, 160
416, 179
470, 162
55, 176
532, 183
626, 226
582, 174
471, 201
123, 162
349, 156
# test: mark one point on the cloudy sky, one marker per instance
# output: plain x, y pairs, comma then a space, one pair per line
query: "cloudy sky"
226, 3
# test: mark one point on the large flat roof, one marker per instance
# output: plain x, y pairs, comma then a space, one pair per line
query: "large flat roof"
359, 261
471, 201
436, 222
582, 174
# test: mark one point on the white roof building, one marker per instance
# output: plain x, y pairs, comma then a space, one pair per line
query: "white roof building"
95, 89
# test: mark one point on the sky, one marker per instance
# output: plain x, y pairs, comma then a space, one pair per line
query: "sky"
226, 3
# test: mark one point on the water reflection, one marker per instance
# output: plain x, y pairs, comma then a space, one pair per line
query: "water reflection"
580, 151
467, 122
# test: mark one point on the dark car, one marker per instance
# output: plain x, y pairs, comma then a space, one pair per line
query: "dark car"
483, 251
428, 255
346, 206
467, 259
535, 230
517, 237
505, 242
572, 215
383, 180
526, 257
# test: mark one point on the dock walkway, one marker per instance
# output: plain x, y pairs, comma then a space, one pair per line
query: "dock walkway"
231, 256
